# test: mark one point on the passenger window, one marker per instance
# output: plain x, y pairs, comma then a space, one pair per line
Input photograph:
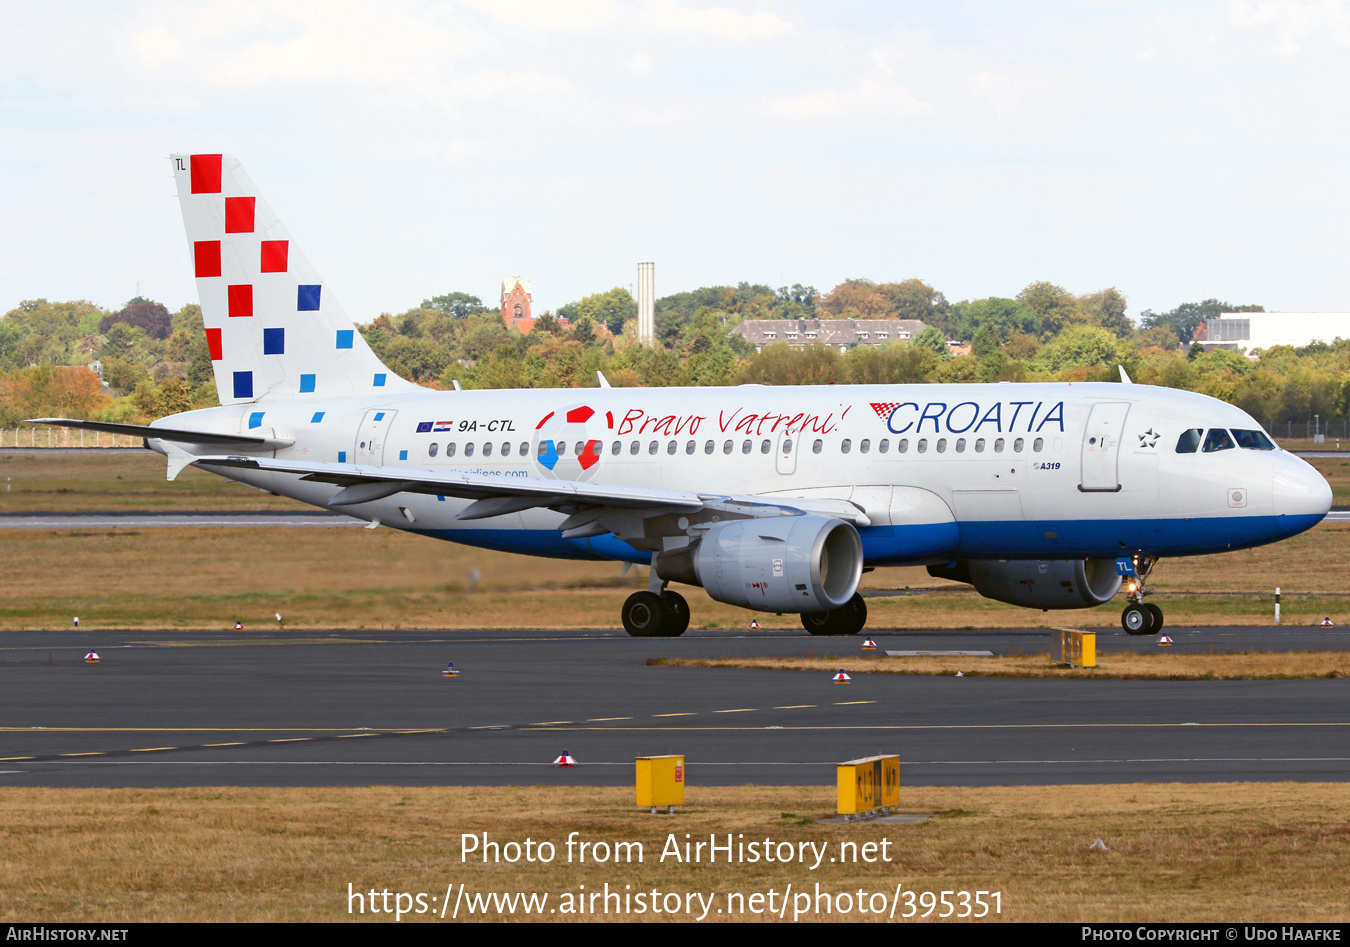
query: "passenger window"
580, 448
506, 448
903, 445
818, 446
787, 446
1018, 445
864, 446
922, 446
942, 445
561, 448
726, 447
960, 445
709, 447
487, 449
431, 449
1253, 440
747, 446
883, 445
1037, 444
542, 450
979, 445
616, 448
998, 445
653, 447
634, 447
765, 446
670, 447
468, 449
845, 446
524, 448
450, 449
1217, 439
1189, 441
689, 447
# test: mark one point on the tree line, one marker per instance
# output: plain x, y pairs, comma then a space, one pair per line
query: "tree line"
155, 362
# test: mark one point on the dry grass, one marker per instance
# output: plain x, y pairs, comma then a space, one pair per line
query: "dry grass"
1153, 666
71, 483
382, 579
352, 579
1259, 852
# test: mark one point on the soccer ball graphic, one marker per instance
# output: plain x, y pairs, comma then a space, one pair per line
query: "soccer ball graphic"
567, 443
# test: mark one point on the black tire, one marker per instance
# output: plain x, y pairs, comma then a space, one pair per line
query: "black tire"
853, 616
818, 623
1136, 620
645, 615
677, 614
848, 619
1157, 614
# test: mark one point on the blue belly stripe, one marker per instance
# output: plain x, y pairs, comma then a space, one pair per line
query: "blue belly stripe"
934, 542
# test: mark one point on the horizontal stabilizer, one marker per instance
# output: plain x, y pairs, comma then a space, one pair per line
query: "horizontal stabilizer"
172, 434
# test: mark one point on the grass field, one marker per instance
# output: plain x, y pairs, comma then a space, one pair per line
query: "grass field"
1175, 852
354, 578
1151, 666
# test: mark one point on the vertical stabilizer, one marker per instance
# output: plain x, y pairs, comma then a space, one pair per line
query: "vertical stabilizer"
274, 330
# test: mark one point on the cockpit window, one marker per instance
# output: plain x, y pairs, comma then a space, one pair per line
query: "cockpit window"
1217, 439
1189, 441
1253, 440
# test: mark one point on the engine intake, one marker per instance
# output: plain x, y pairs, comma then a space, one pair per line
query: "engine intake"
1038, 583
808, 563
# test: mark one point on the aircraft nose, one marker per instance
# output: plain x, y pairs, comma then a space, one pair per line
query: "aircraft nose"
1300, 491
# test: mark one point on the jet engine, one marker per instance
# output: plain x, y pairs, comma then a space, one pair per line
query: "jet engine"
808, 563
1038, 583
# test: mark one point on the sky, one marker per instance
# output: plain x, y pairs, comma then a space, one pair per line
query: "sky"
1173, 150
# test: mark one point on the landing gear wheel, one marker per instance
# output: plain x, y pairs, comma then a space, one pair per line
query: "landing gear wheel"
645, 615
848, 619
1137, 620
677, 614
1157, 614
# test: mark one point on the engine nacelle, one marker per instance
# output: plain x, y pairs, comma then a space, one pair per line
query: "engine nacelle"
1038, 583
806, 563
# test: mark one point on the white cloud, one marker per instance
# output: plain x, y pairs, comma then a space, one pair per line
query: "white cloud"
1292, 22
549, 15
869, 97
641, 63
718, 21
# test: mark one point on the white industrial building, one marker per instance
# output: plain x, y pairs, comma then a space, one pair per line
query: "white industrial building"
1247, 331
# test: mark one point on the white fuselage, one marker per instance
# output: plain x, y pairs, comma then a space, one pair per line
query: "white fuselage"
943, 472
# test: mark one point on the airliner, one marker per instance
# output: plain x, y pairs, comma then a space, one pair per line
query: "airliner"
776, 499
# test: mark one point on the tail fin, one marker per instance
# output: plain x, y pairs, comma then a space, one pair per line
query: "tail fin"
274, 330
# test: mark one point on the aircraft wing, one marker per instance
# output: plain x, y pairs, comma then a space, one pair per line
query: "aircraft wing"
641, 516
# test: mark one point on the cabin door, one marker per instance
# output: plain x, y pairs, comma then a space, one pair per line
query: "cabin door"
1101, 447
370, 437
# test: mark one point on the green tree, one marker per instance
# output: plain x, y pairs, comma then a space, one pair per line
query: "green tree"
1081, 347
932, 338
1106, 308
781, 364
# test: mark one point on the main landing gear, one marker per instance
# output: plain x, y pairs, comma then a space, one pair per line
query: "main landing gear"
1140, 617
848, 619
655, 615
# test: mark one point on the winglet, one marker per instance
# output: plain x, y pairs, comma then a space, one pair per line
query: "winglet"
1124, 378
604, 382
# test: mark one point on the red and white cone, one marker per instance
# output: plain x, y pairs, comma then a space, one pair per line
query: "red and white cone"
869, 645
842, 678
92, 658
1164, 641
565, 761
450, 670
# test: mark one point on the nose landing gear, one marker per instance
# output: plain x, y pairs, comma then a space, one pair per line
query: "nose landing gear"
1140, 617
